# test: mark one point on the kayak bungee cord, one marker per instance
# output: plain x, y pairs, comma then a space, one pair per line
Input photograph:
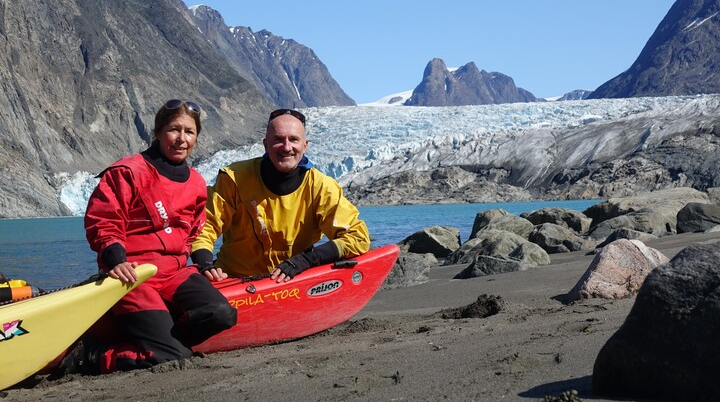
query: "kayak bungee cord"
34, 291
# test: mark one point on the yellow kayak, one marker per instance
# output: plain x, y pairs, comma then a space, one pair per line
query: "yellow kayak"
35, 331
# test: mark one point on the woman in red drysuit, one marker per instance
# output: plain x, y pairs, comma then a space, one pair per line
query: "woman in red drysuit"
148, 208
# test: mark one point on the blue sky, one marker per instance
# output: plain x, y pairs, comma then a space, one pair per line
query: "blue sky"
375, 48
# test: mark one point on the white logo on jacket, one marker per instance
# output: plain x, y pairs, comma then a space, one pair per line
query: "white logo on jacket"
164, 215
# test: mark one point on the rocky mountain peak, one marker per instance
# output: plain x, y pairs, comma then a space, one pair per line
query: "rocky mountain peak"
577, 94
681, 57
466, 85
207, 17
287, 72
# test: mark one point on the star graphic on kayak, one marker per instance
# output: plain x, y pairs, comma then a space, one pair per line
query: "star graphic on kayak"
11, 329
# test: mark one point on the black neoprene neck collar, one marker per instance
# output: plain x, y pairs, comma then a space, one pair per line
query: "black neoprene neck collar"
177, 172
277, 182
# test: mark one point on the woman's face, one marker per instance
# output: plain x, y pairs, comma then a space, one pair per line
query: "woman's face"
177, 138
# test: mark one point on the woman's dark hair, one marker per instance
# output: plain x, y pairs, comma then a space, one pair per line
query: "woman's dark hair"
173, 108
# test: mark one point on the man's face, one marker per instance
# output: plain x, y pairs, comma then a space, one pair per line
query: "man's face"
285, 142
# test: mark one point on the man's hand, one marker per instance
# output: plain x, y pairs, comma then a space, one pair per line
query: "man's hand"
311, 257
279, 275
287, 269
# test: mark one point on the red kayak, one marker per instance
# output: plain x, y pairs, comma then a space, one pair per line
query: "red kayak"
313, 301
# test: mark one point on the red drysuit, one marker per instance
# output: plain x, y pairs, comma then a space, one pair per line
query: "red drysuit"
152, 210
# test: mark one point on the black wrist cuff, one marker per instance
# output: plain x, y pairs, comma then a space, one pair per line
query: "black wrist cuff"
203, 258
113, 255
322, 254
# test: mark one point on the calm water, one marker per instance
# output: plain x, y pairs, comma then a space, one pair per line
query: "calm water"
52, 252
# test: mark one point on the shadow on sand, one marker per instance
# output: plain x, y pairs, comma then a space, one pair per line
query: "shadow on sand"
582, 385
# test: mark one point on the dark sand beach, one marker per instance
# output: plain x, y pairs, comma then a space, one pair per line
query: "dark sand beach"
400, 348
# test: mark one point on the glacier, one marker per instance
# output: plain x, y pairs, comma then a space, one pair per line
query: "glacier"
362, 143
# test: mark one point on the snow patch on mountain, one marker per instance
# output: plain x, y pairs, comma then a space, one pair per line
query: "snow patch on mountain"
397, 99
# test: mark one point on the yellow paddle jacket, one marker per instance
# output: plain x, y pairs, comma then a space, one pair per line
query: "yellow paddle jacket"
261, 229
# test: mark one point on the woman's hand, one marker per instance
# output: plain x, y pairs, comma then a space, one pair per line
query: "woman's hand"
125, 272
215, 274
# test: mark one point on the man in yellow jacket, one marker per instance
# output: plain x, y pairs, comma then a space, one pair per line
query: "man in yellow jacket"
272, 210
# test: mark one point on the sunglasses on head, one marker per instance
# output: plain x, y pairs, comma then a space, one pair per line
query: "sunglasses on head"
294, 113
173, 104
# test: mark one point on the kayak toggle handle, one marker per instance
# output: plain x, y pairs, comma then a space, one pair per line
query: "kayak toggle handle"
344, 264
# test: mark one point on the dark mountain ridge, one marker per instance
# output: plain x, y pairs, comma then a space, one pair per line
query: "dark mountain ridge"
288, 73
682, 57
82, 81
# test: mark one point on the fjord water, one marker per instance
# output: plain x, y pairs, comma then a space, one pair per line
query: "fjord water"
52, 252
47, 252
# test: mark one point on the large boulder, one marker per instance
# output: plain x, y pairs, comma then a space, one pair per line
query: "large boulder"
697, 217
714, 194
568, 218
557, 239
439, 241
629, 234
499, 243
645, 220
483, 218
617, 271
410, 270
499, 219
667, 349
665, 202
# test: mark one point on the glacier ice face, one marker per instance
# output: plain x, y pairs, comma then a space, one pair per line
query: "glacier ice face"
76, 190
360, 144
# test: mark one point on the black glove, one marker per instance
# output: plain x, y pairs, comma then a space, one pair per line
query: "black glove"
204, 259
294, 265
312, 257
